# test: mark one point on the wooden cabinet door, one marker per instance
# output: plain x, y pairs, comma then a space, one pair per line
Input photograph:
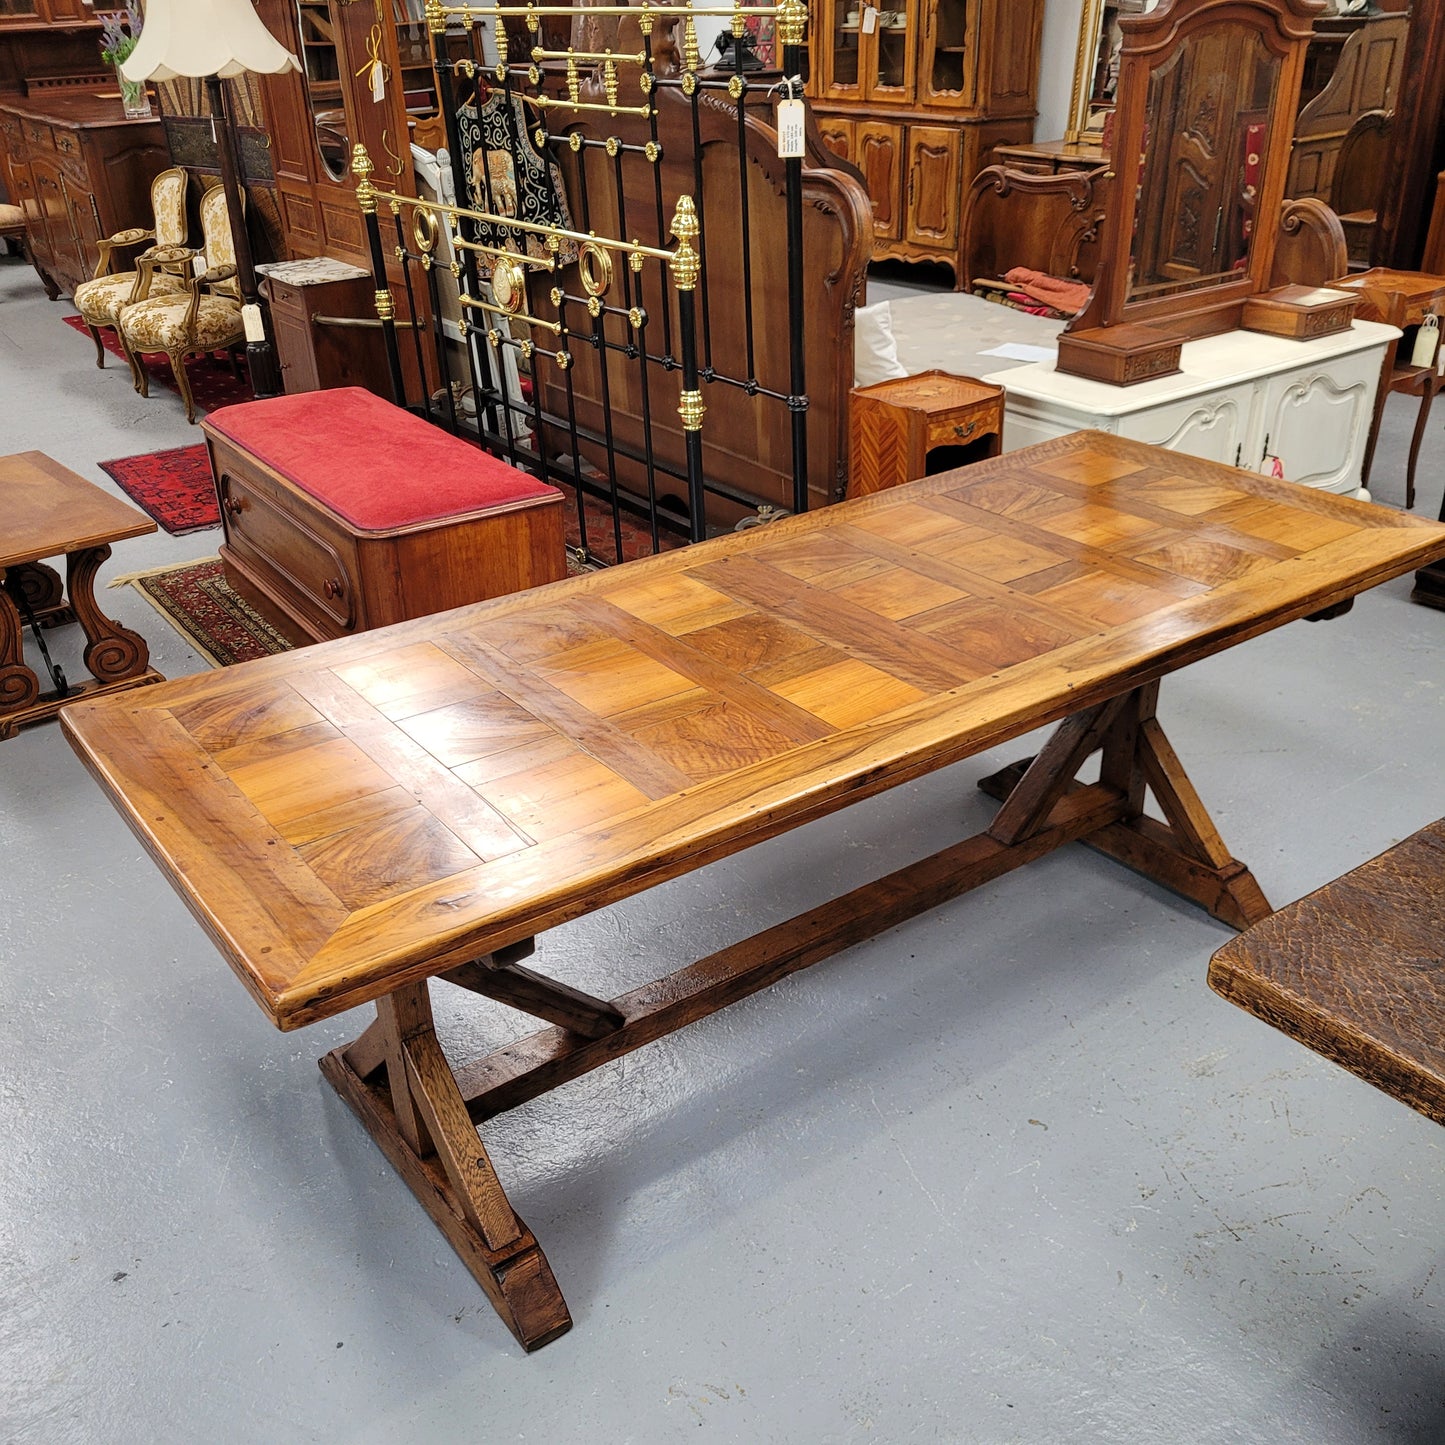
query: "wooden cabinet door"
879, 157
933, 190
21, 185
63, 12
1009, 86
843, 50
49, 235
892, 62
947, 65
82, 225
20, 12
837, 134
294, 351
1316, 420
1215, 427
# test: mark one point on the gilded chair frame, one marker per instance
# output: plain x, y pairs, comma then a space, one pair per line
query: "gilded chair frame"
100, 308
212, 282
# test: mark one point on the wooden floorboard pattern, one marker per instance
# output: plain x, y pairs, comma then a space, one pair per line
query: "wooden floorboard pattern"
347, 817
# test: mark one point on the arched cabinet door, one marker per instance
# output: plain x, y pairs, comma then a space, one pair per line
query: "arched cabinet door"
1215, 427
1316, 421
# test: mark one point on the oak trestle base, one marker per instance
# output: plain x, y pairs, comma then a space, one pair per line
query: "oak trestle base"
424, 1113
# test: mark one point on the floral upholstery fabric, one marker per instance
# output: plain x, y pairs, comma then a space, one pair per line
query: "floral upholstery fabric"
11, 217
159, 324
100, 301
168, 201
216, 228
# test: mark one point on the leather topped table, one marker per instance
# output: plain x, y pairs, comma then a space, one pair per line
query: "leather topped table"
352, 819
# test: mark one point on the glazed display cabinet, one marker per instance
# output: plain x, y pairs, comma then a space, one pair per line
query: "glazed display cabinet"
918, 96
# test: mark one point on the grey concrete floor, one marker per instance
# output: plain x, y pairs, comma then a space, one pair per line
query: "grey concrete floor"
1010, 1173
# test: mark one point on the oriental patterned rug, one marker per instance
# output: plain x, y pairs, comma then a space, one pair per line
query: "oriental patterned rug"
196, 600
174, 488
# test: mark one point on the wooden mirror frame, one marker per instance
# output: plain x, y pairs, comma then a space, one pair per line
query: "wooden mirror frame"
1149, 39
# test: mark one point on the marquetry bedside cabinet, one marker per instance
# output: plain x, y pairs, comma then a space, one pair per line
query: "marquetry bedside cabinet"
916, 426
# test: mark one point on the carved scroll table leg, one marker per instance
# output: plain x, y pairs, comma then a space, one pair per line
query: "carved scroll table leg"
42, 589
117, 657
114, 653
397, 1080
19, 686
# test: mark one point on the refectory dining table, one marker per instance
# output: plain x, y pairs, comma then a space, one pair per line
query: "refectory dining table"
352, 820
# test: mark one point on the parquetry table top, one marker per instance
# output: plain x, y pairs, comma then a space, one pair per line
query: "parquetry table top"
367, 812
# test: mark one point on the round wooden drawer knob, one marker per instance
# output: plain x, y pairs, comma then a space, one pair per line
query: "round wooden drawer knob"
331, 588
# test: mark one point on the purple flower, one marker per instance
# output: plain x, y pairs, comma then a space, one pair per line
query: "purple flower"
119, 31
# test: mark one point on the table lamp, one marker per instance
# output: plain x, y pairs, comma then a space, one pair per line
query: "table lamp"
212, 39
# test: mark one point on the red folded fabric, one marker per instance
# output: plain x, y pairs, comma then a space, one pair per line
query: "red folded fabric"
374, 464
1066, 296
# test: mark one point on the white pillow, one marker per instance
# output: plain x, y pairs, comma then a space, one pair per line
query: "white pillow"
875, 353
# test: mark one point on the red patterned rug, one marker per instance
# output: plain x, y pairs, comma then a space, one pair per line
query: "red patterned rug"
173, 488
212, 384
195, 599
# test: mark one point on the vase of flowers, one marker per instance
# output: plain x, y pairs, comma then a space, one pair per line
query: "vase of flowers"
119, 32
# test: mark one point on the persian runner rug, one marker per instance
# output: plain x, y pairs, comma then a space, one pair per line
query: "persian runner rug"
195, 599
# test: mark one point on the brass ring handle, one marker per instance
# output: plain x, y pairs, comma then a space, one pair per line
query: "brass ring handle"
963, 432
331, 588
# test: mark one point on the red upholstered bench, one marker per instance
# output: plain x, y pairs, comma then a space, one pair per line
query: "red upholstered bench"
343, 512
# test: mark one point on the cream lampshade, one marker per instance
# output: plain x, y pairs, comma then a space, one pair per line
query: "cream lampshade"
204, 37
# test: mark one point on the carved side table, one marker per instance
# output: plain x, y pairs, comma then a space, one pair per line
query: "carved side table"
916, 426
46, 511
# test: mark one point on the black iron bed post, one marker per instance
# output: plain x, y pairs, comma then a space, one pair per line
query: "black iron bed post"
361, 168
477, 358
685, 268
404, 254
792, 24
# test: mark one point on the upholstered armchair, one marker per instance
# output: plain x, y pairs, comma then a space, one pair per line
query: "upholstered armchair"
100, 299
204, 317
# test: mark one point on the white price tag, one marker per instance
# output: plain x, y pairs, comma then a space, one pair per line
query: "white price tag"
870, 20
1427, 338
378, 82
790, 129
251, 321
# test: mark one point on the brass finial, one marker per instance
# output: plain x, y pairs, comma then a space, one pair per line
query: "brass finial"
686, 267
792, 21
361, 168
691, 54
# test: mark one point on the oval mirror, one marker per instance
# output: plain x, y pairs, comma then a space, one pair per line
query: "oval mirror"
322, 71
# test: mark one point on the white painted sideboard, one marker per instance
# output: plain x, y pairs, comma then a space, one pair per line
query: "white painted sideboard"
1241, 398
